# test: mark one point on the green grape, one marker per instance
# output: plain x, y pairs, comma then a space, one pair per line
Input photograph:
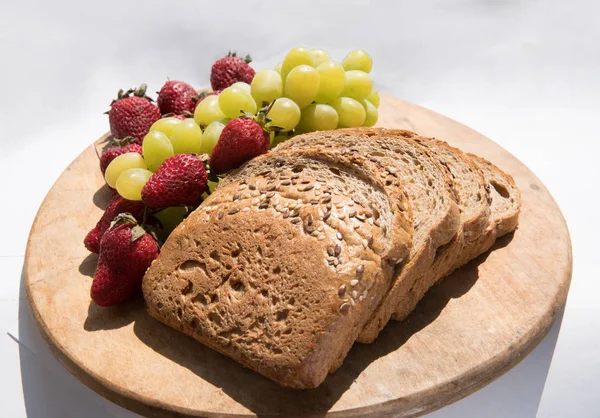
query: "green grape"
318, 117
266, 87
156, 148
358, 60
187, 137
284, 114
279, 138
278, 67
212, 185
319, 56
302, 85
165, 125
121, 163
211, 136
208, 111
171, 217
350, 112
234, 101
371, 113
332, 81
374, 98
358, 85
131, 182
294, 58
242, 85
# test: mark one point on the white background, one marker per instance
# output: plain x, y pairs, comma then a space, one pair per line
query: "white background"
525, 73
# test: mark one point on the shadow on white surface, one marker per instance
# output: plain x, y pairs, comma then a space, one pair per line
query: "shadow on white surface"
50, 391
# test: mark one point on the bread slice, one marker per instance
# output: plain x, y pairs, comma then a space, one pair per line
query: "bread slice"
505, 206
281, 267
429, 188
472, 198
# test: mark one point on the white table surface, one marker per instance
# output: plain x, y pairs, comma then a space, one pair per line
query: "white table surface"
525, 73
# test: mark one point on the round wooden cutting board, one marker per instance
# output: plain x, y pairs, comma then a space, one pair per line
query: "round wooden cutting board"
466, 332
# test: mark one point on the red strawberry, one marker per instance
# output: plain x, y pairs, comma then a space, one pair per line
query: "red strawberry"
229, 70
119, 148
132, 115
179, 181
126, 252
116, 206
241, 140
176, 97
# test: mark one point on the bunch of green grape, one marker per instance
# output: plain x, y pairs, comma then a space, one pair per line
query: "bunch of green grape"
314, 93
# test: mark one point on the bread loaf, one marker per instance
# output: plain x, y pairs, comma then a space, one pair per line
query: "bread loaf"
302, 251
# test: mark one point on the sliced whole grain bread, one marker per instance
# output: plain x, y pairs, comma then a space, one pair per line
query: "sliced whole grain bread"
281, 268
430, 191
472, 197
505, 206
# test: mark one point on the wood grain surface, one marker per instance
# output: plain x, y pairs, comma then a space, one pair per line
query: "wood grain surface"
467, 331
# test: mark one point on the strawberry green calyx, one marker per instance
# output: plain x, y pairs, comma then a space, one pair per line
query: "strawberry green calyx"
125, 141
137, 232
124, 218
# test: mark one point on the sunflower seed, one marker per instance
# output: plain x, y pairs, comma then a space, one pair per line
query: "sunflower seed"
309, 219
345, 307
305, 181
308, 187
270, 195
326, 216
252, 186
233, 211
263, 205
220, 215
338, 250
330, 251
342, 290
370, 241
295, 220
285, 183
360, 270
236, 196
336, 261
